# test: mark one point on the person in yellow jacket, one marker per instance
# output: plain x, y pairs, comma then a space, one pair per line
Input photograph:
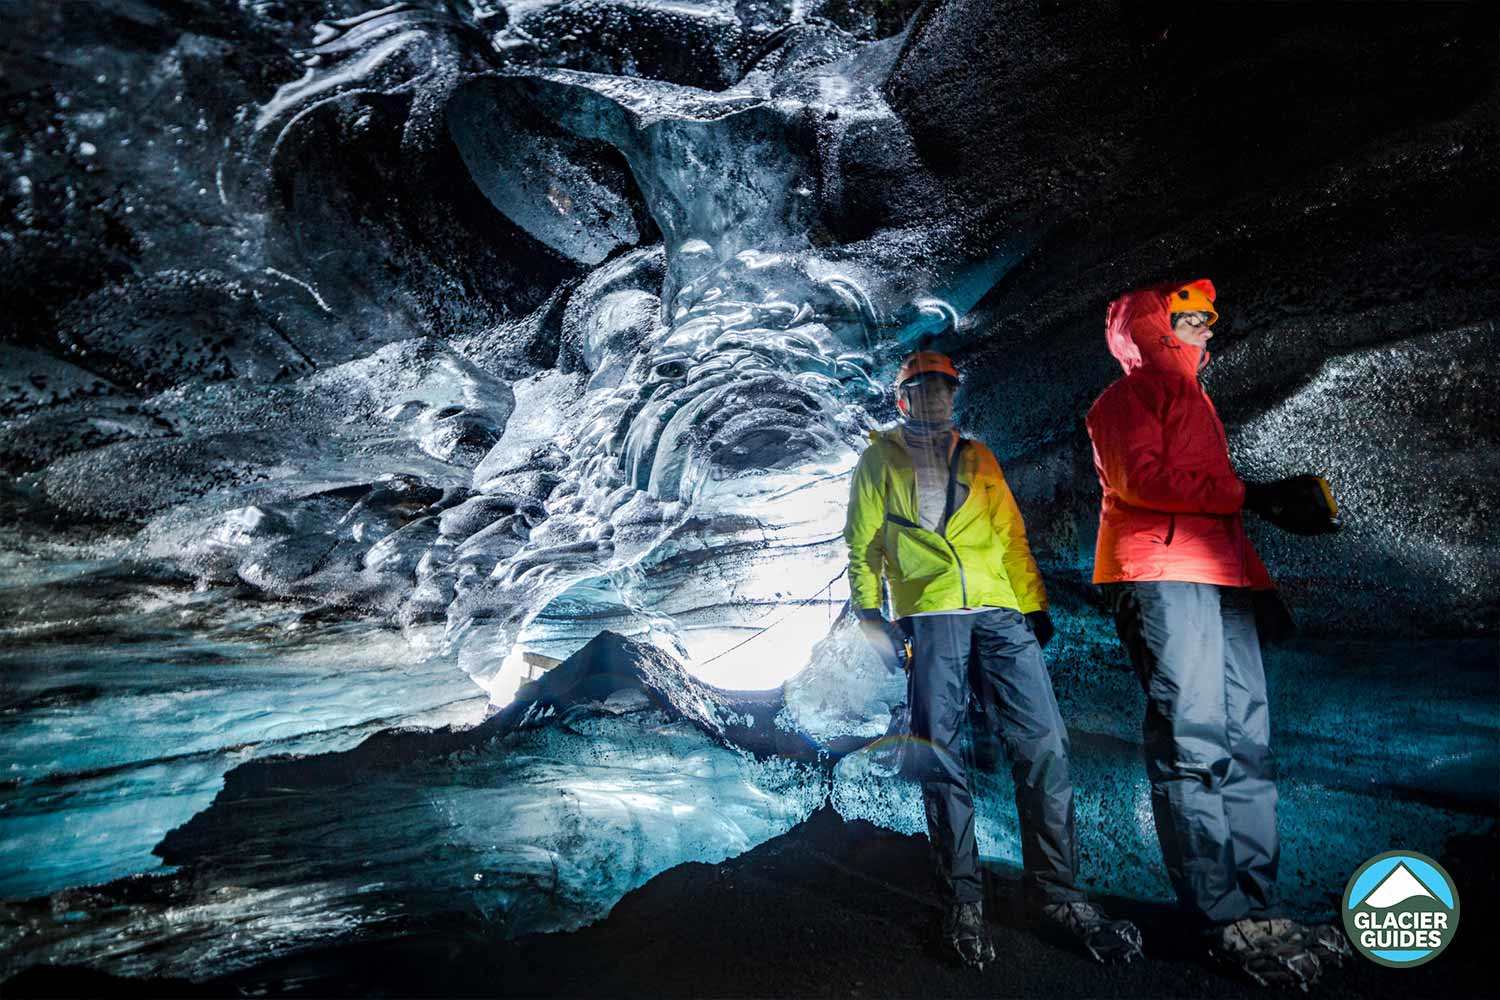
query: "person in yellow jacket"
931, 515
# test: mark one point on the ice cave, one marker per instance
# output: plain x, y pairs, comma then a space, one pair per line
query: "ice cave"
426, 435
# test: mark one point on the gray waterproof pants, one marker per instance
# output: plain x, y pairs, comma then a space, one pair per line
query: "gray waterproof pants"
1013, 685
1207, 741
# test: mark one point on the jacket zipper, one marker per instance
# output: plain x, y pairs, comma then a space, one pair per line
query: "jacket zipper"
963, 583
1239, 515
1171, 528
963, 580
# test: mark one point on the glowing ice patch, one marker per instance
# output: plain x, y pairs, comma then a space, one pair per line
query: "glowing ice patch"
502, 687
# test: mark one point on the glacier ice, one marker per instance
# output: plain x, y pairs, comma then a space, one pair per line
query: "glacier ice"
657, 448
700, 496
848, 688
127, 701
579, 205
619, 763
608, 770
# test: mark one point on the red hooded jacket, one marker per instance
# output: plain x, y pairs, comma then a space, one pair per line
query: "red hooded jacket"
1172, 500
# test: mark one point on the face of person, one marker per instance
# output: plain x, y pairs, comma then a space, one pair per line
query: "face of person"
1192, 328
930, 398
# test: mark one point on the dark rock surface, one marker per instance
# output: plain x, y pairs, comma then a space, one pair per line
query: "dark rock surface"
828, 909
1332, 173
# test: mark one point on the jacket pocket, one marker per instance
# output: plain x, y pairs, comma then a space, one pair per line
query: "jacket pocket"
917, 558
1155, 528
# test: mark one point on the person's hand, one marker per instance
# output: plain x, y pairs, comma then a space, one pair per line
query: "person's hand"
881, 634
1041, 627
1303, 505
1273, 619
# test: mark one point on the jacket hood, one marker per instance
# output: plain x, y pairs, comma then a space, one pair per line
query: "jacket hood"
1139, 333
890, 434
894, 436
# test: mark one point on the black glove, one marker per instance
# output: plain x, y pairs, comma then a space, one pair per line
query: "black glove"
878, 631
1302, 505
1041, 627
1273, 619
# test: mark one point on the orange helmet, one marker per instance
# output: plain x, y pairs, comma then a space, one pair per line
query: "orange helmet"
925, 363
1196, 296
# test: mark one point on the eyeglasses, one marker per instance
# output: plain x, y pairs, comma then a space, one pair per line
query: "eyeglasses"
1196, 320
927, 380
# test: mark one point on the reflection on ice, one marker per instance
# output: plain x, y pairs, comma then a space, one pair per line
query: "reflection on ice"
617, 768
126, 705
618, 764
699, 499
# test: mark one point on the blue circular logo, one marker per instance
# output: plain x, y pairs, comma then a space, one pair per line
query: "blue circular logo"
1400, 909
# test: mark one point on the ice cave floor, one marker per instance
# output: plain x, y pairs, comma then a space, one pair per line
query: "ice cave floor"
831, 908
211, 794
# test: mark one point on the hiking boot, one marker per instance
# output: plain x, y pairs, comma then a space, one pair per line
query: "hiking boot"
1274, 952
1108, 941
1329, 943
965, 932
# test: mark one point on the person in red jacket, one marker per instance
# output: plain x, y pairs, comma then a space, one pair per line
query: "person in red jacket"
1179, 572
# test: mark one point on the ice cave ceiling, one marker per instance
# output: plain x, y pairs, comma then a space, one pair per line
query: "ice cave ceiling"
509, 317
507, 324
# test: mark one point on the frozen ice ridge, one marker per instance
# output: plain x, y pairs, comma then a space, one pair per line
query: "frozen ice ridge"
609, 769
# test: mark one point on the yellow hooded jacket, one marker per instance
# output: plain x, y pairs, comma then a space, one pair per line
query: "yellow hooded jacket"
980, 560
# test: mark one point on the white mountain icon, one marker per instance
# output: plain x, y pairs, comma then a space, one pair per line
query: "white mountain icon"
1398, 886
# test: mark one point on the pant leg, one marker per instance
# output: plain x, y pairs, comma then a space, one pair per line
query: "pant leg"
1250, 788
983, 730
1018, 690
1177, 635
939, 693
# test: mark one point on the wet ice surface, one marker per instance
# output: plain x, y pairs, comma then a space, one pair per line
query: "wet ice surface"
125, 703
538, 833
609, 771
538, 820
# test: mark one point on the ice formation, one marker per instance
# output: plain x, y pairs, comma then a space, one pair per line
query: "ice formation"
678, 474
701, 467
128, 700
607, 771
475, 331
